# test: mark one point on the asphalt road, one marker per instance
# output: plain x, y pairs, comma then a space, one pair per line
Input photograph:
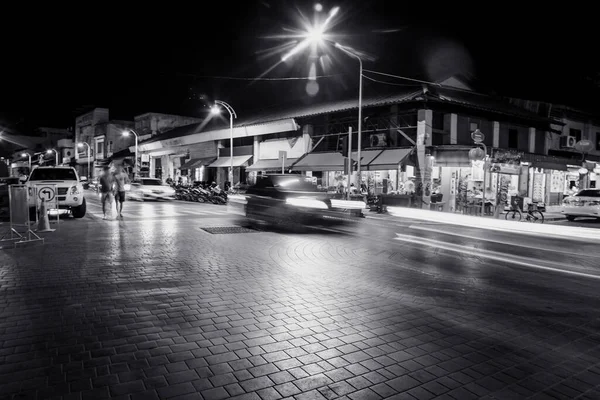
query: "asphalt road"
154, 306
580, 222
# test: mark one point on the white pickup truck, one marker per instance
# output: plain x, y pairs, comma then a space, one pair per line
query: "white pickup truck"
57, 184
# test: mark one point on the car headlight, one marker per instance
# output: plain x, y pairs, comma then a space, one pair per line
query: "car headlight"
306, 203
74, 190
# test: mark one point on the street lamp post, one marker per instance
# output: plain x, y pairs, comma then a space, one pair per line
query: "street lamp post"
29, 157
55, 155
89, 157
360, 88
216, 110
126, 133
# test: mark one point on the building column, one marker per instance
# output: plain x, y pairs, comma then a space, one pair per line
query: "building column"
167, 170
424, 167
453, 129
532, 140
496, 134
152, 165
307, 131
256, 149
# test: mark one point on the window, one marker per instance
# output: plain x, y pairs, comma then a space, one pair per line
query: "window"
99, 147
295, 183
151, 182
53, 174
576, 133
437, 121
513, 139
588, 193
473, 126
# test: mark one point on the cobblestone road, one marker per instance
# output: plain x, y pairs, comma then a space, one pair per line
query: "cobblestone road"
163, 310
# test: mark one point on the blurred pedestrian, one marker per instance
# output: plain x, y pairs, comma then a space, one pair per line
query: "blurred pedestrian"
106, 184
121, 179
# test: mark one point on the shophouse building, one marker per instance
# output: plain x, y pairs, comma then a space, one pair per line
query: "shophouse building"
417, 140
102, 138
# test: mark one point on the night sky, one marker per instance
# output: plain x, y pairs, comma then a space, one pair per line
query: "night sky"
59, 62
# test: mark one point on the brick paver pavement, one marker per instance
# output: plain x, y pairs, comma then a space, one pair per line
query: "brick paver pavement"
163, 310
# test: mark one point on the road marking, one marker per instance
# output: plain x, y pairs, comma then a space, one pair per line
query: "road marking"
491, 255
481, 239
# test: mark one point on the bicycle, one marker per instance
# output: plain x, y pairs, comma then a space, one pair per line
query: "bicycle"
533, 214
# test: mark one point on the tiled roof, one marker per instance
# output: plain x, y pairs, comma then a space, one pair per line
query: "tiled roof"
295, 112
457, 97
482, 102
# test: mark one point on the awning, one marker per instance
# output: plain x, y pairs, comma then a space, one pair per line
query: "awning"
546, 162
331, 161
366, 156
225, 162
271, 165
197, 163
549, 165
388, 159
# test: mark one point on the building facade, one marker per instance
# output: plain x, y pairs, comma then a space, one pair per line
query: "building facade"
411, 141
106, 140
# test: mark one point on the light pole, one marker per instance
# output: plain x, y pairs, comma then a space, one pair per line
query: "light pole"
28, 156
126, 133
216, 110
360, 87
89, 157
55, 155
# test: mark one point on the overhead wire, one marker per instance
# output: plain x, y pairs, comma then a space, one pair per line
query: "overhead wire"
234, 78
388, 83
401, 77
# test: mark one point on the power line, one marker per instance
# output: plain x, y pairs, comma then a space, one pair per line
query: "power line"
388, 83
233, 78
401, 77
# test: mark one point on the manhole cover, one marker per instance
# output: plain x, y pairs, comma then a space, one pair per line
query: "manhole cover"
228, 229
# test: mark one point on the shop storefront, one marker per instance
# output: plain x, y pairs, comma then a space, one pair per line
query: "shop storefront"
277, 155
387, 171
195, 170
383, 171
327, 168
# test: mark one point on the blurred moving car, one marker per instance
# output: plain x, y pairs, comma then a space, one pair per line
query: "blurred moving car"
586, 203
149, 189
294, 199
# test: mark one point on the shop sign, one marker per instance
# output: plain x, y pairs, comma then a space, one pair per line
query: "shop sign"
584, 146
511, 169
507, 157
478, 136
172, 142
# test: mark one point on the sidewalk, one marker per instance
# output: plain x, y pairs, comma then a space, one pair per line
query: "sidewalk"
553, 214
490, 223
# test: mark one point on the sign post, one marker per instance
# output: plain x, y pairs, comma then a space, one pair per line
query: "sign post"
584, 146
48, 194
283, 159
19, 217
478, 137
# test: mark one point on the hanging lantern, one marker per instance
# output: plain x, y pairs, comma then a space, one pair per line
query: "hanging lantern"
476, 154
